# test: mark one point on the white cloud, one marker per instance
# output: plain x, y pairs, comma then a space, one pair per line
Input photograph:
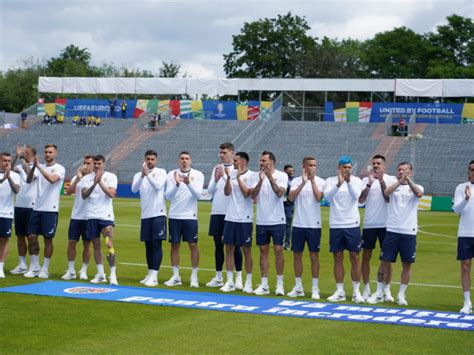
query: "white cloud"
360, 27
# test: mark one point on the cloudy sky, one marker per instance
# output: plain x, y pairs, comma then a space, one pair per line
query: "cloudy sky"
193, 33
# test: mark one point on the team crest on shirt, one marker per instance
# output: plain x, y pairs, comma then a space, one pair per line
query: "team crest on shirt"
191, 178
84, 290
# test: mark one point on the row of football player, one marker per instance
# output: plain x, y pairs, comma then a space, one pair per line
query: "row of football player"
391, 206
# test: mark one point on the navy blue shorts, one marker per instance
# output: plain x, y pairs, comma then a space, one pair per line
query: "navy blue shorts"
77, 229
238, 234
22, 219
266, 233
370, 236
43, 223
185, 228
153, 228
465, 248
216, 225
94, 227
5, 227
301, 236
395, 243
341, 239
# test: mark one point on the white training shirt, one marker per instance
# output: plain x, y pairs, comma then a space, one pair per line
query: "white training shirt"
270, 210
220, 201
465, 209
47, 199
240, 208
375, 204
184, 198
80, 205
26, 197
99, 205
343, 202
7, 195
402, 211
152, 192
307, 208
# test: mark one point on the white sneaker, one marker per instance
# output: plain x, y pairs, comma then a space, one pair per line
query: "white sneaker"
113, 280
357, 297
388, 296
279, 290
145, 279
99, 278
466, 309
83, 275
19, 270
375, 298
401, 300
32, 273
194, 282
174, 281
151, 282
315, 294
260, 291
248, 288
366, 294
228, 287
238, 284
296, 292
43, 274
337, 297
215, 282
2, 274
69, 275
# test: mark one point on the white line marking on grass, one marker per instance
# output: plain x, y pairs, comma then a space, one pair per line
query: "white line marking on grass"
420, 241
167, 266
128, 225
425, 285
436, 234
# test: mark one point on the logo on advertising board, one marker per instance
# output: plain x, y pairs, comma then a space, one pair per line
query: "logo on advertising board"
84, 290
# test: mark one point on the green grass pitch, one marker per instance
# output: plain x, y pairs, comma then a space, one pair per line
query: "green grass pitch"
59, 325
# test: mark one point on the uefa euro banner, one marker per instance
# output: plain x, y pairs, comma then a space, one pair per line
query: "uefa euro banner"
209, 109
180, 109
379, 112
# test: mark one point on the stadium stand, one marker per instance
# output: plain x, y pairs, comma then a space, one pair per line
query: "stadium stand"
440, 156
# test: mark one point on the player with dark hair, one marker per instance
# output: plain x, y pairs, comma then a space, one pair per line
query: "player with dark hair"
44, 218
77, 224
151, 183
271, 222
99, 189
183, 188
220, 202
239, 219
24, 203
307, 192
375, 219
402, 226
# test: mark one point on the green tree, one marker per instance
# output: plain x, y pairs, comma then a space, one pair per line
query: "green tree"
399, 53
333, 59
169, 70
454, 49
269, 48
18, 86
72, 61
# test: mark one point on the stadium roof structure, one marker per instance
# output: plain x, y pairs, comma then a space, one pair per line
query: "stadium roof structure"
220, 87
